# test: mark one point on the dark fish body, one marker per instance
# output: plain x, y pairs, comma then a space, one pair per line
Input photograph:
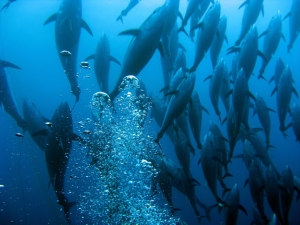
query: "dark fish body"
218, 41
284, 95
35, 122
215, 86
273, 194
296, 121
258, 220
234, 67
58, 147
102, 60
178, 102
184, 126
248, 52
264, 117
180, 62
209, 164
197, 15
195, 117
256, 185
170, 29
271, 41
294, 23
68, 24
248, 154
168, 60
206, 33
231, 210
191, 8
142, 46
251, 13
183, 153
240, 96
259, 145
279, 68
225, 88
6, 96
124, 12
221, 149
286, 192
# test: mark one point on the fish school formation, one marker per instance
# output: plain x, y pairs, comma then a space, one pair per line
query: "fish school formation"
177, 108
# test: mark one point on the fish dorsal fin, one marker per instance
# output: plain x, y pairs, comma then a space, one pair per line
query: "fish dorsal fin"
113, 59
4, 63
134, 32
52, 18
85, 26
92, 56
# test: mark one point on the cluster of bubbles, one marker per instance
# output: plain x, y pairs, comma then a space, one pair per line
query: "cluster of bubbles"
121, 169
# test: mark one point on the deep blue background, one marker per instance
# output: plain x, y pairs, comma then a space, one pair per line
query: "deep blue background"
25, 42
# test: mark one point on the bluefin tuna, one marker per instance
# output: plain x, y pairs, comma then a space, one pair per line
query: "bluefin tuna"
294, 15
251, 13
264, 117
217, 43
130, 6
271, 41
102, 59
207, 30
68, 24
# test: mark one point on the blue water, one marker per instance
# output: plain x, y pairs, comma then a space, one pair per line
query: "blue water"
24, 41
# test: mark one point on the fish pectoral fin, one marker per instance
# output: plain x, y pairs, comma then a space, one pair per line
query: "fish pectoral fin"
263, 33
76, 137
181, 46
175, 92
251, 96
271, 110
161, 49
228, 93
113, 59
295, 91
134, 32
226, 39
207, 78
204, 109
92, 56
274, 90
85, 26
243, 209
283, 37
287, 15
259, 53
52, 18
262, 10
43, 132
4, 63
246, 182
244, 3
